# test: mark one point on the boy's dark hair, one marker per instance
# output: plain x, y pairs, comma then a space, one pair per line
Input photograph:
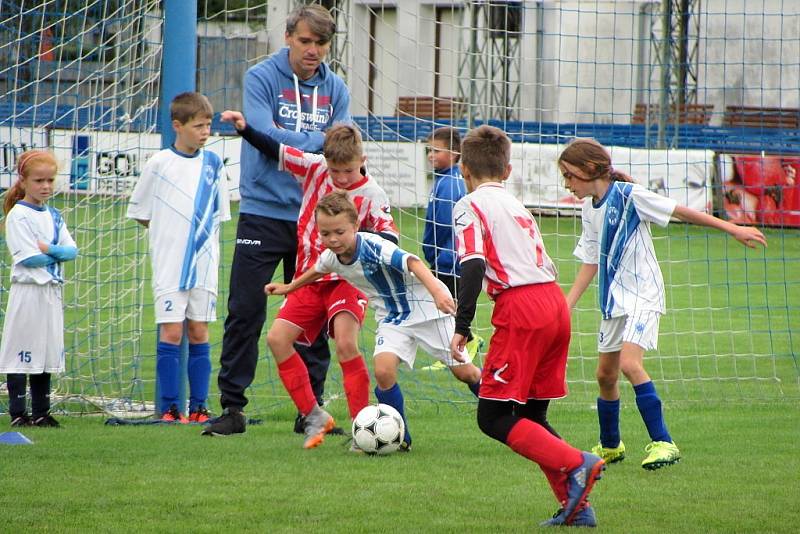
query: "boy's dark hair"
337, 202
342, 144
318, 18
450, 138
189, 105
486, 152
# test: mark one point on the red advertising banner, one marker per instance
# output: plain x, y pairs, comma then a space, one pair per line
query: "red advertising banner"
761, 189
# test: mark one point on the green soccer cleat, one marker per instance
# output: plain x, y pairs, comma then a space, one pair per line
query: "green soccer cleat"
435, 366
660, 454
610, 454
475, 346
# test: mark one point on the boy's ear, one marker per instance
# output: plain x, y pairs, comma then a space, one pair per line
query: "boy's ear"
507, 172
176, 124
363, 159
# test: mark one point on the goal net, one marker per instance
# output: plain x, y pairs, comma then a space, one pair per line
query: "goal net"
696, 100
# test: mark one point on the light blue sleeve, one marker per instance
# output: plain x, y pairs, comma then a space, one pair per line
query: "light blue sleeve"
40, 260
63, 252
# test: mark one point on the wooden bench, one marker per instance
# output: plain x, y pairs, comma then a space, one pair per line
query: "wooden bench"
685, 114
428, 107
761, 117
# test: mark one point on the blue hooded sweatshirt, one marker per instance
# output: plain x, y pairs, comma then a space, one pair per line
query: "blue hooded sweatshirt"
271, 93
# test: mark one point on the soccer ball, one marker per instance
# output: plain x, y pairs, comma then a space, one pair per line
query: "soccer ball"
378, 429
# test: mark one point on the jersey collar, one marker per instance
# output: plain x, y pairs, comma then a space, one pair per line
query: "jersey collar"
31, 206
184, 154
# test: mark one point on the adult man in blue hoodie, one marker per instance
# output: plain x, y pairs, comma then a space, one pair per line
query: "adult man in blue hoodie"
292, 96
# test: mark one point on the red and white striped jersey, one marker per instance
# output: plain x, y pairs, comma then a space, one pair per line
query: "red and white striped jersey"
311, 172
491, 224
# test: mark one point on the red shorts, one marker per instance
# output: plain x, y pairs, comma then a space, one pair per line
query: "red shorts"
312, 306
527, 356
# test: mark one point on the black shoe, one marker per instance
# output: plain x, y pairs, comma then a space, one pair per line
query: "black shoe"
232, 421
300, 425
21, 420
46, 420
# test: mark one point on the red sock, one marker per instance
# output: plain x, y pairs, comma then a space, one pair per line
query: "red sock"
534, 442
356, 384
294, 376
558, 483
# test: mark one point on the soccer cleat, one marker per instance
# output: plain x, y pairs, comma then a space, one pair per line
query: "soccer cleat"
404, 447
355, 449
200, 415
174, 416
584, 518
475, 346
21, 420
300, 427
580, 482
610, 455
435, 366
318, 423
660, 454
45, 421
232, 421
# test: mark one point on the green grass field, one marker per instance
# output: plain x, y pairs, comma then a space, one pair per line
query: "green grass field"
726, 367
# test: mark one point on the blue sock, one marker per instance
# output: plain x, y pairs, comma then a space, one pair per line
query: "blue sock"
650, 407
168, 374
394, 398
608, 414
199, 371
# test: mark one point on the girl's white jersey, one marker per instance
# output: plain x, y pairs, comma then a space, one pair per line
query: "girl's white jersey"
380, 270
616, 237
185, 198
491, 224
27, 224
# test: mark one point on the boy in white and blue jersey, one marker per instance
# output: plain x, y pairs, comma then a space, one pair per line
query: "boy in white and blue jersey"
181, 197
32, 345
407, 298
616, 243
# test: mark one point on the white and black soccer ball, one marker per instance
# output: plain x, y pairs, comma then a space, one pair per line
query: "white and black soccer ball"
378, 429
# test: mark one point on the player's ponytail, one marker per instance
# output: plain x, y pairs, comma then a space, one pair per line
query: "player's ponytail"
25, 163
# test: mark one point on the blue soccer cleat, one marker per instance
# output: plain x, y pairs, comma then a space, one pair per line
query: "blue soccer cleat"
584, 518
580, 482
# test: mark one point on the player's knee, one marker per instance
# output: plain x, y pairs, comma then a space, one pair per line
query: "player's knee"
606, 378
278, 342
469, 374
385, 377
490, 424
346, 349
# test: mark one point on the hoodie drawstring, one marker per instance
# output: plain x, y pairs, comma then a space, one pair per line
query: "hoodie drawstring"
298, 102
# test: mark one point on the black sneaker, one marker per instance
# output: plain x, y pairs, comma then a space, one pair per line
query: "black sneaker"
232, 421
21, 420
46, 420
300, 427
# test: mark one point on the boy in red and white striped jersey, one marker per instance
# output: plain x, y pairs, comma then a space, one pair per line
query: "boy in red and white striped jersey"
500, 244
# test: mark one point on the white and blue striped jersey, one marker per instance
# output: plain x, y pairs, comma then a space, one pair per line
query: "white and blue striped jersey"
185, 197
616, 237
27, 224
380, 270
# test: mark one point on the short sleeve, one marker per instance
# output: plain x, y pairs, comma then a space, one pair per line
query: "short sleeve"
140, 205
652, 207
224, 195
326, 263
469, 235
298, 163
64, 237
588, 247
380, 214
21, 238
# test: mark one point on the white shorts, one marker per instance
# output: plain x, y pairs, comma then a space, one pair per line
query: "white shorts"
196, 305
33, 332
640, 329
433, 336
